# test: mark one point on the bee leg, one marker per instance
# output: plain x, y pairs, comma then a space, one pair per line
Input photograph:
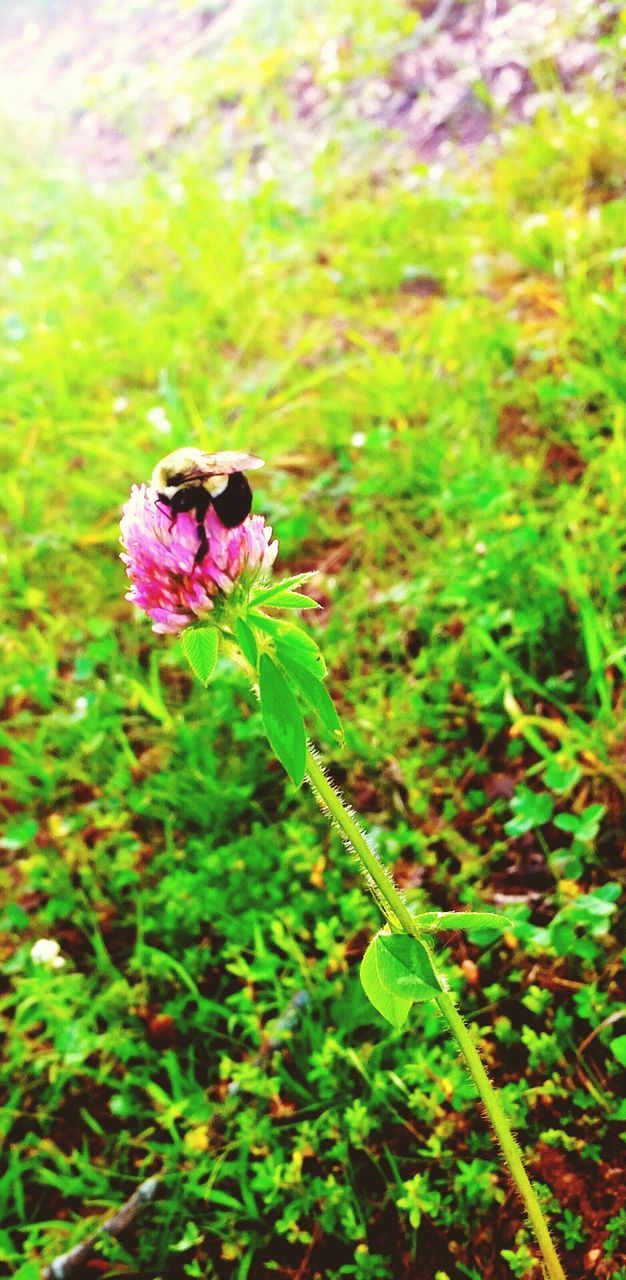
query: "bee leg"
203, 544
201, 506
164, 504
184, 500
169, 507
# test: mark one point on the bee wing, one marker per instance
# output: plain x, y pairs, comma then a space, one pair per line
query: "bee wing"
228, 462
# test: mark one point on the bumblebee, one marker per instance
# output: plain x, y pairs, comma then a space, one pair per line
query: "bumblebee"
190, 480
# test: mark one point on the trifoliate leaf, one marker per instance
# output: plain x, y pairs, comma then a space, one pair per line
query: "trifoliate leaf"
392, 1007
531, 808
313, 691
405, 967
282, 718
463, 920
585, 825
200, 647
247, 642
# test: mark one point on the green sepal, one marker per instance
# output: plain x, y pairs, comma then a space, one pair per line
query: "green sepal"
247, 642
405, 967
466, 920
395, 1008
282, 718
201, 647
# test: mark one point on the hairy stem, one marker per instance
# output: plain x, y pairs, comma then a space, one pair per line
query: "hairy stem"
510, 1148
332, 802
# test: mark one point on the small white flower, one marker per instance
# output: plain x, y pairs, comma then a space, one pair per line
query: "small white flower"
480, 548
15, 268
535, 220
120, 404
329, 57
358, 440
265, 170
47, 952
158, 419
182, 109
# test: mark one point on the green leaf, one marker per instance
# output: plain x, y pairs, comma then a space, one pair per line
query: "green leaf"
618, 1045
610, 892
463, 920
560, 775
585, 825
291, 600
405, 967
292, 642
200, 647
392, 1007
314, 691
567, 822
18, 834
247, 641
271, 626
531, 808
282, 718
285, 584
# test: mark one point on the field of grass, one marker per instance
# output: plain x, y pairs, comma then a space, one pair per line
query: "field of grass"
435, 372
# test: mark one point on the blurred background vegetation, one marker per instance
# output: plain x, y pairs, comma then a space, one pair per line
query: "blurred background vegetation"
383, 246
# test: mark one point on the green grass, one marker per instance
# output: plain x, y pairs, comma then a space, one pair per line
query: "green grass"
454, 465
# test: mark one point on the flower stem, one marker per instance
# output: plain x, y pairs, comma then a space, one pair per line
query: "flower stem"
510, 1148
331, 800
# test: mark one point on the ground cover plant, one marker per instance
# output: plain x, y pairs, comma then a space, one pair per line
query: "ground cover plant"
434, 372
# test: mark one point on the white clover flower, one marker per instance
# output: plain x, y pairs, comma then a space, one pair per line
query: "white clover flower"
46, 952
158, 419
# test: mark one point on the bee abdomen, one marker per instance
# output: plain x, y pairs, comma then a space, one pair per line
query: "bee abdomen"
234, 503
